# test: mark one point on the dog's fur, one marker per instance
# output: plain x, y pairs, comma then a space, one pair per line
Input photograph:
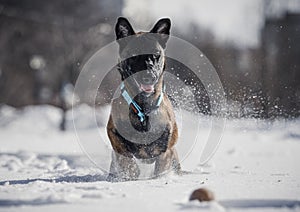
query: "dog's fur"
159, 120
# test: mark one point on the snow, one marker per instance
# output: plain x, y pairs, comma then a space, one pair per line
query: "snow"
44, 169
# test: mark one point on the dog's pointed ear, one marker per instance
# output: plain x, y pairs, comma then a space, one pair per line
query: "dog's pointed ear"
123, 28
162, 27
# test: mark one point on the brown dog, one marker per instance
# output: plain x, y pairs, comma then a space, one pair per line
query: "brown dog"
142, 124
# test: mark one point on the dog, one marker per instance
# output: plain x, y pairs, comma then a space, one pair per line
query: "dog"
142, 125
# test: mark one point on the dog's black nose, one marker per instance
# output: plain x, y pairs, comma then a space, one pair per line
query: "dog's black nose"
148, 79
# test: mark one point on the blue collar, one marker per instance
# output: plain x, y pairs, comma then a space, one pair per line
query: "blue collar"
136, 108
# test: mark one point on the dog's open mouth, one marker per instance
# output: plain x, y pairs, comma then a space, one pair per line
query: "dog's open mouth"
147, 88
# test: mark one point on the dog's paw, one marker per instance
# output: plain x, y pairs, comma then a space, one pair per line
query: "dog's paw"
112, 178
176, 168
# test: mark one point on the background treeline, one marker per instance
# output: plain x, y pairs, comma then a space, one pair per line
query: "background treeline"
43, 45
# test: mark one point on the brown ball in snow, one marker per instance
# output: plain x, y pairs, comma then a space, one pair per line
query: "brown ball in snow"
202, 194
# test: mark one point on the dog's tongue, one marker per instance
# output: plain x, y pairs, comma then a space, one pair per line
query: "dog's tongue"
147, 88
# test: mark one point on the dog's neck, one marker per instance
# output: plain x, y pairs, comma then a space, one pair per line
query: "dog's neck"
142, 106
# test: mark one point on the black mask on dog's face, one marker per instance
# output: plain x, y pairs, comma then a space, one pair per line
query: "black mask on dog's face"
144, 69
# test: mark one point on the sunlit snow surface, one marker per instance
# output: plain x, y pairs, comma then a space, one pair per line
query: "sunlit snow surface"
256, 166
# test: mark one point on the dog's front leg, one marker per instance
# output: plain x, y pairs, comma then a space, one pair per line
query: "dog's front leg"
123, 165
166, 162
123, 168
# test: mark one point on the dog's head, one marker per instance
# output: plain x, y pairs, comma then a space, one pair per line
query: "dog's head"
144, 71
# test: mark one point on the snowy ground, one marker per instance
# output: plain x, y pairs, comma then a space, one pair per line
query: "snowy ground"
42, 169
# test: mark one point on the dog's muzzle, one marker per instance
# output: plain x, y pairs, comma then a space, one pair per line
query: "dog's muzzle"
147, 82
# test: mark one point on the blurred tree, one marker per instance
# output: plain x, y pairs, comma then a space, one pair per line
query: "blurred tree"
281, 74
62, 33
